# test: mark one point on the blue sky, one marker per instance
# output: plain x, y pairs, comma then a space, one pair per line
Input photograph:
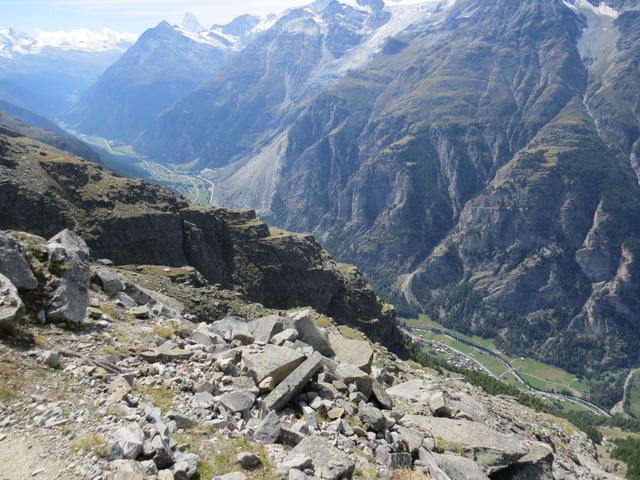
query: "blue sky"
126, 15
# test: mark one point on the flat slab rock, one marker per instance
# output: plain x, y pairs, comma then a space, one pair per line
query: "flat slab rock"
490, 449
294, 383
271, 361
354, 352
328, 462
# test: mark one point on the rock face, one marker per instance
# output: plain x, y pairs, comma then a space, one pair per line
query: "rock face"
122, 220
69, 258
13, 264
11, 306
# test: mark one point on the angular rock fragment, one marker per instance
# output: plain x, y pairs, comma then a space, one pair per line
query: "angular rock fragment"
328, 462
268, 431
128, 443
271, 361
14, 265
264, 328
352, 374
310, 333
294, 383
492, 450
355, 352
69, 262
11, 306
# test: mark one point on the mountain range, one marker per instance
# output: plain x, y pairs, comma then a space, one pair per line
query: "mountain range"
479, 161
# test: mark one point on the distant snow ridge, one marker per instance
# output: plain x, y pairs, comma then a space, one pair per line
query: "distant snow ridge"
217, 35
82, 39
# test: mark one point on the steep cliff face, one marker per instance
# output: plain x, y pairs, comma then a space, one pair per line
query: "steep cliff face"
129, 222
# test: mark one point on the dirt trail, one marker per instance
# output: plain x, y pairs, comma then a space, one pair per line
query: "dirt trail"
26, 458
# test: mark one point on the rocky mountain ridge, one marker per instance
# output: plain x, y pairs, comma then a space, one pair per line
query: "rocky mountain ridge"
122, 219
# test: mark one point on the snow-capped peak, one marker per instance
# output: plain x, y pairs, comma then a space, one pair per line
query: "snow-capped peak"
82, 39
191, 24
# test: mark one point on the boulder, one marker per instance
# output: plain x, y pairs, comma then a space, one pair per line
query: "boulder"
141, 312
459, 468
128, 443
268, 431
233, 328
410, 438
310, 333
11, 306
351, 374
14, 265
379, 394
288, 335
69, 262
203, 400
328, 462
110, 282
271, 361
202, 335
237, 401
535, 465
492, 450
127, 470
186, 466
354, 352
294, 383
264, 328
373, 418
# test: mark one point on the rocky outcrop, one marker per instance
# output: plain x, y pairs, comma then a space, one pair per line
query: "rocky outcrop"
13, 263
69, 260
11, 306
130, 222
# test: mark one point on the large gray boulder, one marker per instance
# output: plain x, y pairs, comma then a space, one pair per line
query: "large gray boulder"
233, 328
11, 306
490, 449
354, 352
111, 282
237, 401
264, 328
294, 383
14, 265
328, 462
351, 374
459, 468
271, 361
69, 262
268, 431
310, 333
128, 442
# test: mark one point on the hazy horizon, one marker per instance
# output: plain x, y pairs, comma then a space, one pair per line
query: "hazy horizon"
127, 16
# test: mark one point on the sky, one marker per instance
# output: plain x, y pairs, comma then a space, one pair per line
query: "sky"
127, 15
